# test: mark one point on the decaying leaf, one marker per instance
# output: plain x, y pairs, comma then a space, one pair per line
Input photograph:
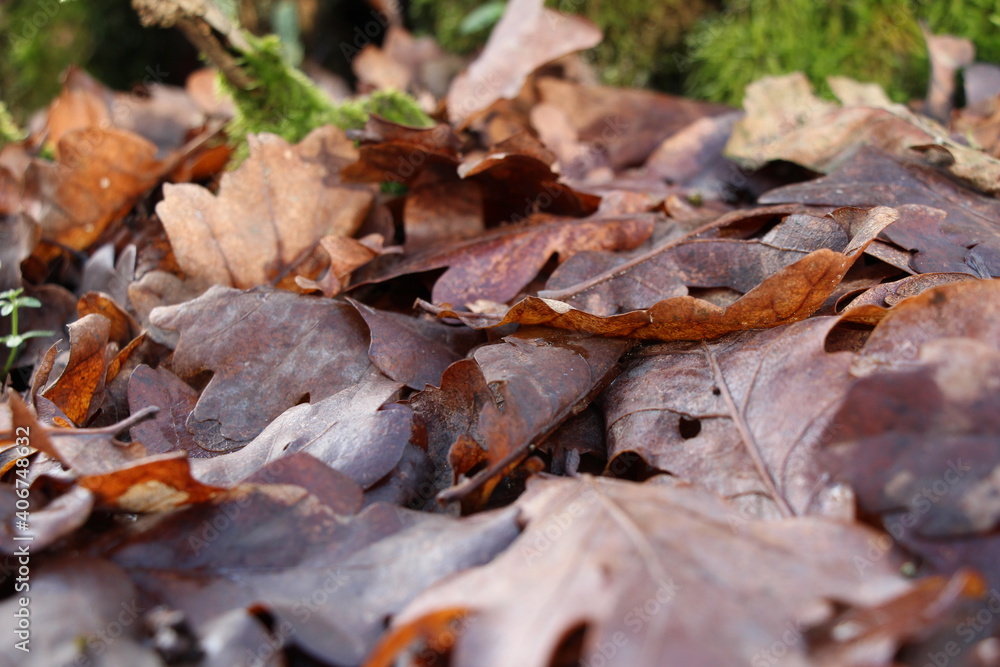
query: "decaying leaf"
329, 579
76, 602
729, 415
785, 121
84, 375
413, 351
269, 214
304, 349
950, 228
527, 37
787, 295
152, 484
537, 379
167, 430
632, 569
497, 265
348, 431
62, 198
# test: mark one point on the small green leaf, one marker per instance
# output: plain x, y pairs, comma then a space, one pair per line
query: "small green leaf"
37, 334
482, 17
13, 341
6, 309
29, 302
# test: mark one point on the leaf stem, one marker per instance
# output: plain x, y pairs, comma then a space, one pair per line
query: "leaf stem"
13, 332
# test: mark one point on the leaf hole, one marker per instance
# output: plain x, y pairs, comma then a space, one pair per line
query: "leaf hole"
569, 652
716, 391
689, 427
631, 466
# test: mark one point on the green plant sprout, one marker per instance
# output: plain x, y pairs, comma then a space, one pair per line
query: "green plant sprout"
10, 302
9, 130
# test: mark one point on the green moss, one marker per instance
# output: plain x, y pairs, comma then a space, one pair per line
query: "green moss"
285, 102
9, 131
870, 40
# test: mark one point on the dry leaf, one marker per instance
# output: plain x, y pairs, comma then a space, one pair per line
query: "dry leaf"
730, 416
649, 575
269, 214
304, 349
527, 37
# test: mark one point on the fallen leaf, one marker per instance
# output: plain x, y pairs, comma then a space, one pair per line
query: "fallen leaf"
123, 327
303, 348
785, 121
499, 264
151, 484
870, 306
441, 213
390, 152
83, 378
919, 444
632, 567
789, 294
98, 177
413, 351
948, 54
942, 243
346, 256
167, 430
329, 580
626, 125
527, 37
75, 603
452, 411
269, 214
536, 379
961, 310
517, 178
348, 431
82, 103
713, 254
729, 416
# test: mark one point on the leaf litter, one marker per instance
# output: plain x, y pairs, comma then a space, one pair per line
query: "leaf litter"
578, 388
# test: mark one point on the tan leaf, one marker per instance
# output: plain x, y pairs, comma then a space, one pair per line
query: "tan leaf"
527, 37
269, 214
649, 575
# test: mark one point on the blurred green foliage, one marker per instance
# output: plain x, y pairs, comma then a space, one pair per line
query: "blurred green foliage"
870, 40
641, 38
703, 48
40, 38
713, 50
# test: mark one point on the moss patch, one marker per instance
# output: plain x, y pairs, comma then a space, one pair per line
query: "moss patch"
870, 40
